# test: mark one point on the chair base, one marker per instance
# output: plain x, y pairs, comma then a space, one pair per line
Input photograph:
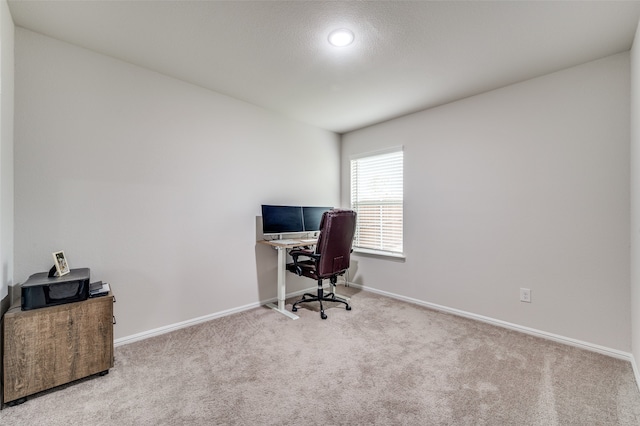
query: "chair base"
320, 297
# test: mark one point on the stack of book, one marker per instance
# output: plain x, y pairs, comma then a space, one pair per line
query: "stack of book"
98, 288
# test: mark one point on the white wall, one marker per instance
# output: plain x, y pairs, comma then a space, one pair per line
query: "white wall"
154, 184
635, 198
525, 186
6, 147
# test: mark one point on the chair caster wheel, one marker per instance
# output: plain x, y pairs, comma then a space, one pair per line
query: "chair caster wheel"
348, 308
294, 309
323, 315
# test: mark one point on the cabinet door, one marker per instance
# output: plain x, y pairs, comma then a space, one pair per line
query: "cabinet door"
52, 346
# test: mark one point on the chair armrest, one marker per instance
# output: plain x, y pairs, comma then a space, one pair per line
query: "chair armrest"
297, 253
308, 253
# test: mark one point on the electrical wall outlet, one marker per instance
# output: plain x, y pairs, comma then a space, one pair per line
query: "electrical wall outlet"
525, 295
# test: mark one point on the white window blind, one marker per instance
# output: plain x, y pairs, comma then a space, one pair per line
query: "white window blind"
377, 197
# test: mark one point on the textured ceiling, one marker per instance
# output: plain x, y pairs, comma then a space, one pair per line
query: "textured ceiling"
407, 56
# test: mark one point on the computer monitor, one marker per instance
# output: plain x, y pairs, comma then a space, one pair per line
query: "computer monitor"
311, 217
281, 219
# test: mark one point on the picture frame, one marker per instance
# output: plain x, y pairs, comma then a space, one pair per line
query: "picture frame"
60, 261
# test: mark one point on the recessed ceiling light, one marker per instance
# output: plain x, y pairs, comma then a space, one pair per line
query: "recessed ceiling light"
341, 37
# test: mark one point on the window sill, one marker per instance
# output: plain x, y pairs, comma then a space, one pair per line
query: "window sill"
378, 253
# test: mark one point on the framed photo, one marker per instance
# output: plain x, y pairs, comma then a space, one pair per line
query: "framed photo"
61, 263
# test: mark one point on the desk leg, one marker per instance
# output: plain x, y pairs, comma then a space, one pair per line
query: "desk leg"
282, 285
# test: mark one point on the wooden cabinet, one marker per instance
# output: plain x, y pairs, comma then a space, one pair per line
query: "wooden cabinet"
48, 347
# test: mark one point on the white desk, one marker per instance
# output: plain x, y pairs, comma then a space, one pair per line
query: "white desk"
282, 248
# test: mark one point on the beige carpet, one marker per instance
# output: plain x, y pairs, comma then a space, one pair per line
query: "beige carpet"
385, 362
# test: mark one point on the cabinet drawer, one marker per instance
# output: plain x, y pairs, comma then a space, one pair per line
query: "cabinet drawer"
48, 347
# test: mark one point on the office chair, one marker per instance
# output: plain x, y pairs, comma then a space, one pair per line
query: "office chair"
330, 258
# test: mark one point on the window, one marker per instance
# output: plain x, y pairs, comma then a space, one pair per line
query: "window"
377, 197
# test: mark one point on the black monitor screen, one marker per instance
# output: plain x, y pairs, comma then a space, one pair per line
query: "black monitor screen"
281, 219
312, 216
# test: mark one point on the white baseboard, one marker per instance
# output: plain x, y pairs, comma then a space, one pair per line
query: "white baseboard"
177, 326
531, 331
636, 373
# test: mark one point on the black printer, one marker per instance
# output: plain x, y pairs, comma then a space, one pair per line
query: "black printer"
41, 290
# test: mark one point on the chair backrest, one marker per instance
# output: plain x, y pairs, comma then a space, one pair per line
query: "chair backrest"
337, 229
